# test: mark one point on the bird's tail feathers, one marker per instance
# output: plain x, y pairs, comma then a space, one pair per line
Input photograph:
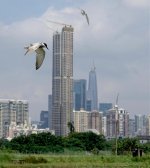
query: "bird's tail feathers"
26, 52
27, 48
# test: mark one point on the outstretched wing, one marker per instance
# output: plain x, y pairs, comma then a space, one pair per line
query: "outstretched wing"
40, 55
32, 47
87, 18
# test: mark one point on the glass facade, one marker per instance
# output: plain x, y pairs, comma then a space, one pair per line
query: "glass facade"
79, 89
104, 107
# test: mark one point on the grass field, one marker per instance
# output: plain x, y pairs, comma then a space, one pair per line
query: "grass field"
80, 160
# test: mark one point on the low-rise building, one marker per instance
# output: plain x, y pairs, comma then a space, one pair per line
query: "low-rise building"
18, 130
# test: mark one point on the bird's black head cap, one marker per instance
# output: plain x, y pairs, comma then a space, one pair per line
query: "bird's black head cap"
45, 45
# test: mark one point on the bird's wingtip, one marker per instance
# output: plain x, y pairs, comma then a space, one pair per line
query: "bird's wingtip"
37, 68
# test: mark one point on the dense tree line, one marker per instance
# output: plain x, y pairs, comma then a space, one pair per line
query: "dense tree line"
46, 142
86, 141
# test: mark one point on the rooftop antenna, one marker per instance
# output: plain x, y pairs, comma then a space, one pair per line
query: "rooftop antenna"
117, 100
94, 65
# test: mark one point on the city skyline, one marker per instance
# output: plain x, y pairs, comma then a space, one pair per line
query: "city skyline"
116, 39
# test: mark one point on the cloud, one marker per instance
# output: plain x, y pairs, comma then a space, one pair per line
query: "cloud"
137, 3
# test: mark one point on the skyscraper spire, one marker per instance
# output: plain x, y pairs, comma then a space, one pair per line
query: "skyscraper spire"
94, 68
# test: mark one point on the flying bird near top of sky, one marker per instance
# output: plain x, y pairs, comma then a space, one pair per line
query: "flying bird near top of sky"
40, 52
85, 14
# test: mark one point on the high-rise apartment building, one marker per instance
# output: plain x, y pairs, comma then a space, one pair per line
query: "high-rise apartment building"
79, 89
123, 123
117, 122
81, 120
148, 125
62, 80
88, 121
95, 121
92, 90
111, 123
104, 126
12, 111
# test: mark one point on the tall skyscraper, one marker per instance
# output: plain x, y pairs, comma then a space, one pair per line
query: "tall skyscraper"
12, 111
140, 124
79, 89
92, 90
88, 105
62, 81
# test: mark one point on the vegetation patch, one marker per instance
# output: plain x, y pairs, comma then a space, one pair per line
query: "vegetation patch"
33, 159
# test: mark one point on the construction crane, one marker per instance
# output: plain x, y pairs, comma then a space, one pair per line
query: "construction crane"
58, 23
45, 23
53, 30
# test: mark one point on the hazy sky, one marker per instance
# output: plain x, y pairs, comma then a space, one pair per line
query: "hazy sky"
116, 42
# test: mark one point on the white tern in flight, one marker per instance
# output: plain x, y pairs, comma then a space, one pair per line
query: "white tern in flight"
40, 52
85, 14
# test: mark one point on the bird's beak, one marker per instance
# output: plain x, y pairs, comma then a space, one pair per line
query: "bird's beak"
47, 48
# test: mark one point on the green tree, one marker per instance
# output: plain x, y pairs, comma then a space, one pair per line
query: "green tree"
87, 140
127, 144
4, 143
146, 147
37, 143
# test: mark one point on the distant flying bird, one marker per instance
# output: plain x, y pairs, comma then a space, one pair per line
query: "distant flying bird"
40, 52
85, 14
